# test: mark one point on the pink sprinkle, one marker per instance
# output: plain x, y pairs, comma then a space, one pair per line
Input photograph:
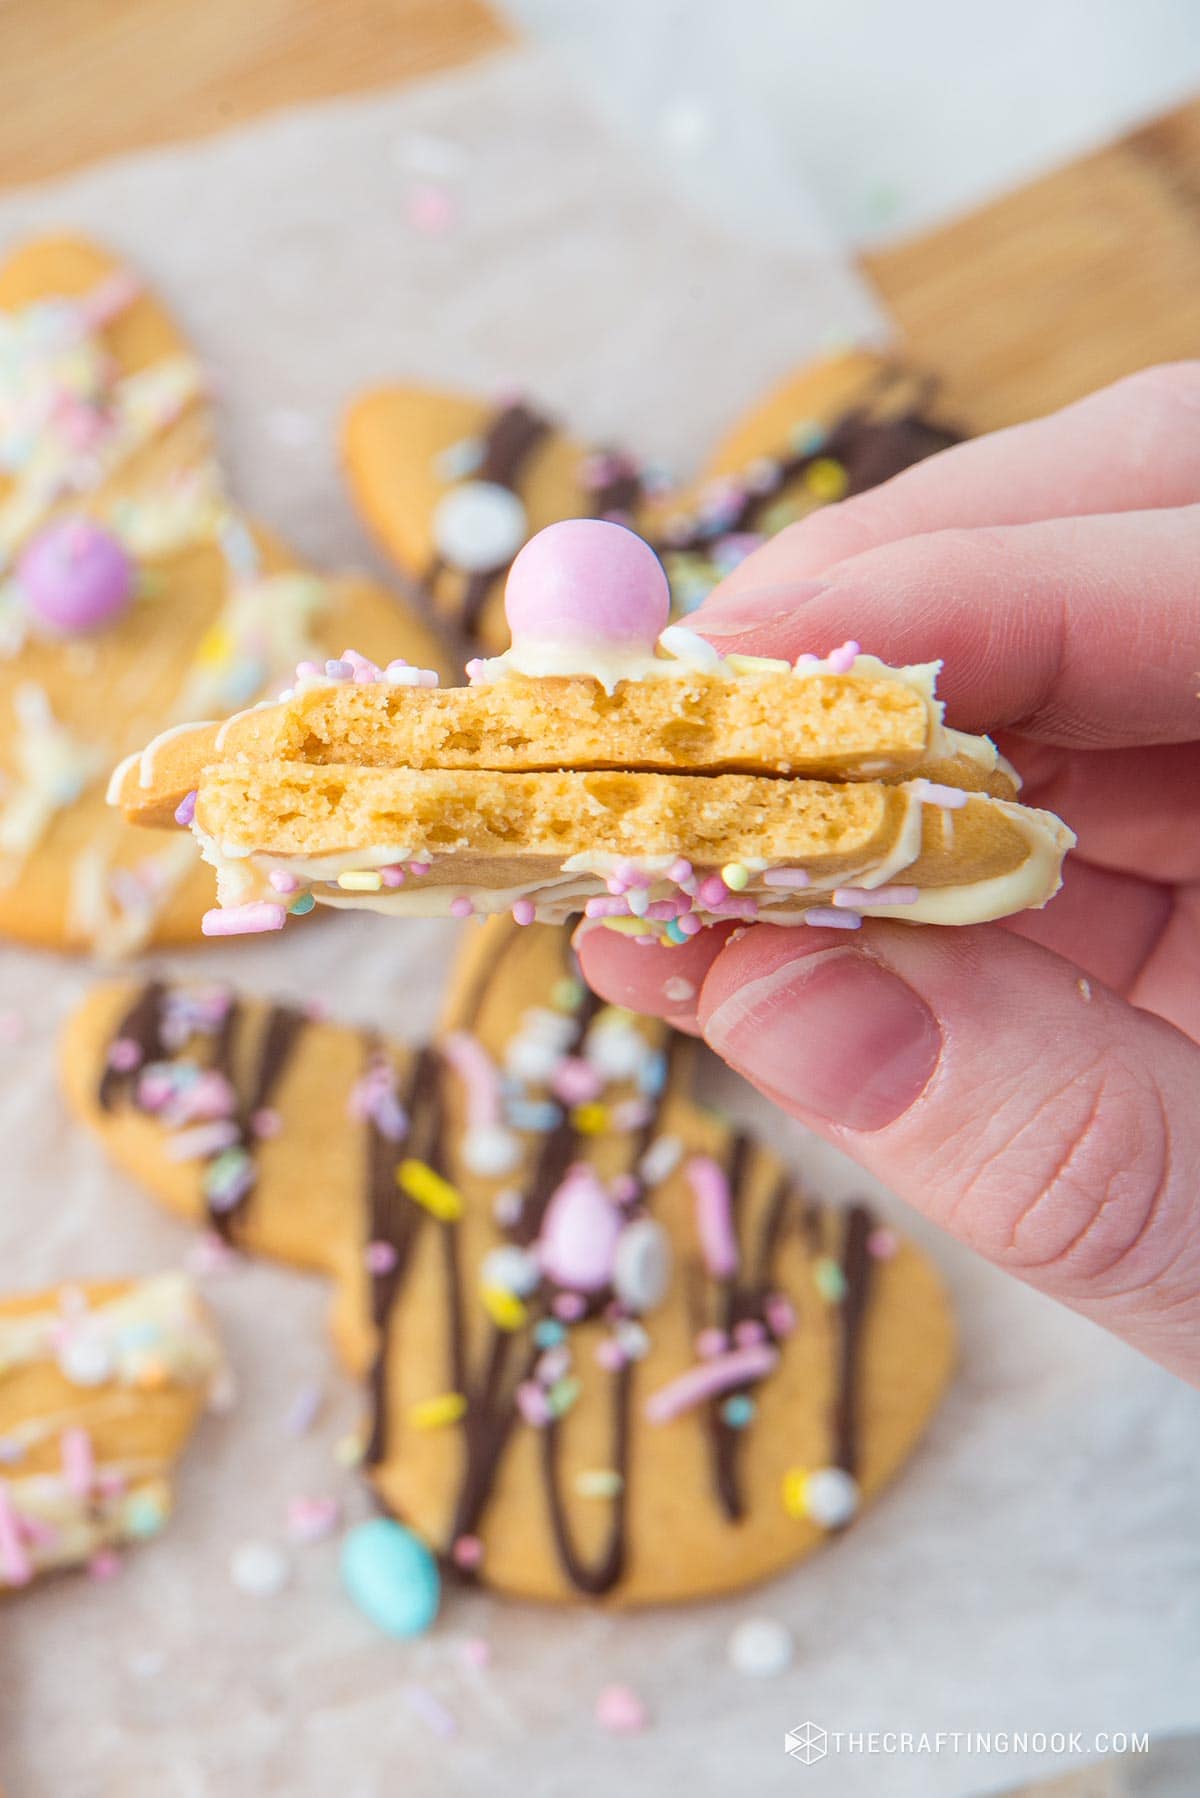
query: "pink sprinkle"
524, 911
569, 1306
105, 1564
474, 669
79, 1465
481, 1081
785, 877
883, 1244
266, 1123
621, 1712
282, 881
712, 891
606, 908
781, 1313
748, 1332
185, 811
461, 907
419, 868
632, 1114
929, 792
632, 875
124, 1055
624, 1189
477, 1652
312, 1519
823, 917
664, 909
610, 1355
852, 896
431, 1711
379, 1257
807, 661
393, 876
576, 1081
711, 1342
714, 1216
841, 661
202, 1141
690, 924
680, 870
737, 1368
533, 1404
467, 1552
431, 209
15, 1564
309, 671
243, 920
740, 907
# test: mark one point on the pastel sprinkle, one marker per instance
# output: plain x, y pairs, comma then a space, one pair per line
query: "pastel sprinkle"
714, 1216
467, 1552
760, 1648
738, 1411
786, 877
428, 1188
301, 906
712, 891
735, 876
737, 1368
504, 1308
842, 659
477, 1652
282, 881
361, 880
548, 1332
461, 906
524, 911
689, 925
824, 917
259, 1569
437, 1413
392, 876
895, 895
185, 811
590, 1119
830, 1280
419, 868
620, 1711
430, 1709
883, 1244
598, 1482
243, 920
379, 1257
675, 933
312, 1519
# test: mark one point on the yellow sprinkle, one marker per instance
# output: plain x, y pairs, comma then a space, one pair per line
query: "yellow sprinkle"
795, 1482
348, 1451
735, 876
419, 1181
628, 926
361, 880
504, 1308
215, 647
757, 665
590, 1118
434, 1413
826, 479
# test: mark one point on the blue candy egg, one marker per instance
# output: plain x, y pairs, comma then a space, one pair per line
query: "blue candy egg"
391, 1576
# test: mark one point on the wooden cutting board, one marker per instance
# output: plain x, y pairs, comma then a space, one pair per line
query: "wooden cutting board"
1085, 275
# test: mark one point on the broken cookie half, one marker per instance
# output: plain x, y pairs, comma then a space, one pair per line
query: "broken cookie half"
608, 763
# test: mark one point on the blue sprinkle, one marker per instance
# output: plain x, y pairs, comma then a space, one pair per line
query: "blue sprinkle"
652, 1075
808, 437
548, 1333
738, 1411
538, 1115
300, 906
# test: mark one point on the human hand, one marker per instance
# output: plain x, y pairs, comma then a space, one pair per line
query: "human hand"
1033, 1085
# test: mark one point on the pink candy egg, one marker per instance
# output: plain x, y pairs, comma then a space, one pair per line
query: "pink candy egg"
587, 581
579, 1234
75, 576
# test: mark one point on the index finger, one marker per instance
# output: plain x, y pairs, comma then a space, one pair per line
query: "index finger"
1083, 632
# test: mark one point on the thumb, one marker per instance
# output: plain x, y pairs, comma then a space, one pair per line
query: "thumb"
1039, 1118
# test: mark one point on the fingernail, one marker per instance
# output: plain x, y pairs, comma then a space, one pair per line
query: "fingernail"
834, 1034
729, 614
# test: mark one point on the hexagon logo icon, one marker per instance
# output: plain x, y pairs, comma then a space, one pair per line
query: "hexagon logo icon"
806, 1744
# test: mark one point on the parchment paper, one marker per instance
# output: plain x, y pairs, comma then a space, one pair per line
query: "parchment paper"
1035, 1567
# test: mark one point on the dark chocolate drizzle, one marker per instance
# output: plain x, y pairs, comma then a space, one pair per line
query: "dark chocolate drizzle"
856, 1268
869, 447
508, 1357
512, 437
140, 1026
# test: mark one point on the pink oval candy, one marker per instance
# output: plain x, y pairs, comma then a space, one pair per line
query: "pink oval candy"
75, 576
586, 580
579, 1233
